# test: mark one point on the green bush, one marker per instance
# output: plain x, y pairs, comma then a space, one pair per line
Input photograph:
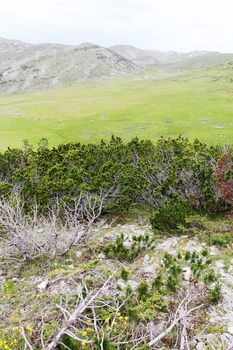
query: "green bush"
137, 172
170, 215
221, 239
118, 250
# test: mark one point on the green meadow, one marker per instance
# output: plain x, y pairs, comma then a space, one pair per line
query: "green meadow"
195, 105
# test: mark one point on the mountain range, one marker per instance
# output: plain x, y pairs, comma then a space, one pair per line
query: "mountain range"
26, 66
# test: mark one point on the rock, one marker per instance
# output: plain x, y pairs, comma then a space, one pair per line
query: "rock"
187, 273
70, 267
201, 346
150, 269
43, 285
15, 279
101, 256
60, 287
146, 258
2, 279
133, 284
194, 246
213, 251
122, 284
168, 244
230, 329
79, 254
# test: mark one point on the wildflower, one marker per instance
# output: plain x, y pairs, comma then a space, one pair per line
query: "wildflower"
120, 317
83, 343
84, 334
107, 319
89, 329
126, 318
30, 330
119, 314
88, 321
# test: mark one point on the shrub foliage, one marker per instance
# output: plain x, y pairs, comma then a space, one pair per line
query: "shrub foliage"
137, 172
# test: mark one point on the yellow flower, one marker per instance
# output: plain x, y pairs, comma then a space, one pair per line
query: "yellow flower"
89, 329
120, 317
118, 314
107, 319
126, 318
83, 343
30, 330
88, 321
84, 334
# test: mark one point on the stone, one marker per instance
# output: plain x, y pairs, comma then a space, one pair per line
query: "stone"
101, 256
79, 254
150, 269
15, 279
43, 285
133, 284
122, 284
201, 346
146, 258
70, 267
187, 273
213, 251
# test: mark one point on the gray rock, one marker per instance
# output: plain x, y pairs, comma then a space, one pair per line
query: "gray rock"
213, 251
201, 346
79, 254
43, 285
122, 284
150, 269
101, 256
146, 258
187, 273
70, 267
15, 279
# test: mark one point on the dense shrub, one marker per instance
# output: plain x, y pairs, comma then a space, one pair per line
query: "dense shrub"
170, 215
221, 239
138, 172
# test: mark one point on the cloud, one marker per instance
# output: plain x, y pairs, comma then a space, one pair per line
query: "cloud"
182, 25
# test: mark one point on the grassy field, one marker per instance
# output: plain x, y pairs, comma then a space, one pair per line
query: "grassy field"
196, 105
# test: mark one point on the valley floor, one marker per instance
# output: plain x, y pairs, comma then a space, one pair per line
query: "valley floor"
195, 104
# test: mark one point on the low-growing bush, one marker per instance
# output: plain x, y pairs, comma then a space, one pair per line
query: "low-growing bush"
127, 252
221, 239
170, 215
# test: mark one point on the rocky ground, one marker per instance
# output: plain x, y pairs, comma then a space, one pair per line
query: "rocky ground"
30, 292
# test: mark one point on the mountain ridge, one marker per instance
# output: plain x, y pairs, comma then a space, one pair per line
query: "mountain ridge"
26, 66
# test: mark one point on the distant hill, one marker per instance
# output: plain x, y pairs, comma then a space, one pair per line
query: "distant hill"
148, 57
27, 66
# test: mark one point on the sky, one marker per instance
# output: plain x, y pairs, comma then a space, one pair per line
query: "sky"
180, 25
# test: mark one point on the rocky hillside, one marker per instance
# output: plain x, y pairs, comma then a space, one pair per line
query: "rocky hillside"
172, 60
26, 66
148, 57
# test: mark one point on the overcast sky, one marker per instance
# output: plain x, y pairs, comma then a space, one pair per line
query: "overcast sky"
181, 25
